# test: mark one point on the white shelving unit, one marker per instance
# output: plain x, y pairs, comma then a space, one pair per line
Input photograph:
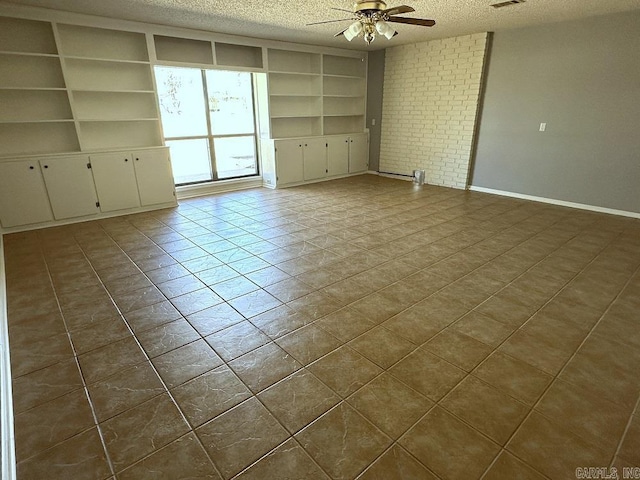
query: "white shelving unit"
108, 74
36, 116
295, 93
313, 94
344, 87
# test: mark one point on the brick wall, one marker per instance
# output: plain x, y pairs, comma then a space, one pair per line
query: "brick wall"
430, 100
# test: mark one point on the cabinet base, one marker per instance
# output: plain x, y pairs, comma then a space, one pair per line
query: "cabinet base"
100, 216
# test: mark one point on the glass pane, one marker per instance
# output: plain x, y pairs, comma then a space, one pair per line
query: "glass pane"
230, 102
235, 156
190, 160
181, 97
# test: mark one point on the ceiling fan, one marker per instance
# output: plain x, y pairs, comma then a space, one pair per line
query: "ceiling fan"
373, 17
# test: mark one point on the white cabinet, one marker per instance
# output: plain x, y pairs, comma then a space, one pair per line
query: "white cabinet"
338, 155
115, 180
23, 196
127, 180
300, 160
70, 186
358, 153
154, 176
314, 158
289, 166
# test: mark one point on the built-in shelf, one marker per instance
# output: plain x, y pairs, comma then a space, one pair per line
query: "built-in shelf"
114, 105
315, 94
100, 43
344, 66
343, 105
34, 105
293, 85
244, 56
296, 127
26, 36
105, 135
343, 86
38, 137
333, 125
30, 71
183, 50
101, 75
293, 62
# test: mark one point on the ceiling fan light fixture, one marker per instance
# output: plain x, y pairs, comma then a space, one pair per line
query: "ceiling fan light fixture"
385, 29
353, 31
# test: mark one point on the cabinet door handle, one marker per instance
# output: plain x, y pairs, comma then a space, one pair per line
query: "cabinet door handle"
137, 159
31, 167
126, 159
46, 166
306, 145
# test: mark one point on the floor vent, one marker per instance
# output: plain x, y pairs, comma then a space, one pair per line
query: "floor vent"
507, 4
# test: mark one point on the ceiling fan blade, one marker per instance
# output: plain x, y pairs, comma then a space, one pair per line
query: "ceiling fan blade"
397, 10
341, 10
413, 21
330, 21
340, 33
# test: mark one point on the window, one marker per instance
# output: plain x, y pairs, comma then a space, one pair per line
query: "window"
209, 123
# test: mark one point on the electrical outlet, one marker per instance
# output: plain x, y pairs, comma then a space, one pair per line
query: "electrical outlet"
373, 122
543, 127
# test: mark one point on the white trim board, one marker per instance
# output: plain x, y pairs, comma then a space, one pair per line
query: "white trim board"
221, 186
6, 399
552, 201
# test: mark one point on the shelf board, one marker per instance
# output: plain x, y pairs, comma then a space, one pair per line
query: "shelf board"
342, 76
102, 90
29, 54
110, 60
295, 116
310, 95
343, 115
46, 89
148, 119
57, 120
306, 74
342, 96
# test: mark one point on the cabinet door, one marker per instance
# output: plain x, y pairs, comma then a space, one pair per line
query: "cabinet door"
315, 158
358, 153
70, 185
23, 196
338, 155
154, 176
115, 179
288, 161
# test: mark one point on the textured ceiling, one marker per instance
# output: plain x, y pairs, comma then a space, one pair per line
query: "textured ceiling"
286, 19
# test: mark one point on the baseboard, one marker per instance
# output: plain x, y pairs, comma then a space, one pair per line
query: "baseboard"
7, 438
397, 176
552, 201
190, 191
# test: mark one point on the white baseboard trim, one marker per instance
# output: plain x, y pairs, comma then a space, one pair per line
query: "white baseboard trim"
190, 191
552, 201
6, 397
397, 176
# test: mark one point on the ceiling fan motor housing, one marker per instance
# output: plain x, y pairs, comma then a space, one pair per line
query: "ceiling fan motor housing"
364, 6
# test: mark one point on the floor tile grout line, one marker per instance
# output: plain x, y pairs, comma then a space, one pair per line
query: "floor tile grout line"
625, 432
77, 362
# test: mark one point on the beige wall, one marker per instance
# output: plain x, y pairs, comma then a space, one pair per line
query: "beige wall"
430, 100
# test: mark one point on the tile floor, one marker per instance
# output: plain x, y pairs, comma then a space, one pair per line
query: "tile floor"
359, 328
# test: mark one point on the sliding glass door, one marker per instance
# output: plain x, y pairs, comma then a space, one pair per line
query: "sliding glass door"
209, 123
